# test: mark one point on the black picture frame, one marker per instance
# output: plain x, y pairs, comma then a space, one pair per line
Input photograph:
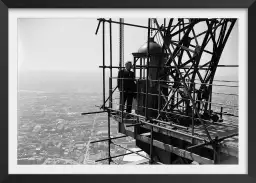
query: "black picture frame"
250, 5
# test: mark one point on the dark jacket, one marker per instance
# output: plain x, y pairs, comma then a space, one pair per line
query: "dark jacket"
129, 81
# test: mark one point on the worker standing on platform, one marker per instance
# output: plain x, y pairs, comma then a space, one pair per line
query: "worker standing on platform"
127, 88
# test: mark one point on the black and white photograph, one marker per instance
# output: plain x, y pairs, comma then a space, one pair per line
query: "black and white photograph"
108, 91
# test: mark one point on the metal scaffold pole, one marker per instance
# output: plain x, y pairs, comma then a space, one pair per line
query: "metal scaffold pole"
121, 43
109, 140
110, 80
147, 87
147, 67
110, 91
103, 60
193, 111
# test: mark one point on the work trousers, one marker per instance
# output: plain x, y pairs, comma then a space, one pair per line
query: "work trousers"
126, 98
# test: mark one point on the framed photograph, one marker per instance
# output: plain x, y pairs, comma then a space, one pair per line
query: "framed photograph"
127, 90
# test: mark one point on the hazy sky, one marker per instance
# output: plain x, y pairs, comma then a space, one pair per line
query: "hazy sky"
71, 44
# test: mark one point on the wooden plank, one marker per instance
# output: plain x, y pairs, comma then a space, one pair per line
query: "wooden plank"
176, 150
145, 134
228, 146
173, 149
173, 134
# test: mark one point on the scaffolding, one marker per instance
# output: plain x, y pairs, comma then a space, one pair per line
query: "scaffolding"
173, 91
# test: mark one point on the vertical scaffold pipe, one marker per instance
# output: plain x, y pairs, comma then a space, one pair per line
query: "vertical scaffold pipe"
137, 107
103, 37
159, 97
109, 141
122, 101
193, 110
110, 81
148, 57
121, 43
110, 91
146, 106
121, 61
140, 68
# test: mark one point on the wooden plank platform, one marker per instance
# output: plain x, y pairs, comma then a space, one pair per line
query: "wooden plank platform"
229, 146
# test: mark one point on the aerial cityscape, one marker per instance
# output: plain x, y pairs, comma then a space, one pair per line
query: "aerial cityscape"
51, 129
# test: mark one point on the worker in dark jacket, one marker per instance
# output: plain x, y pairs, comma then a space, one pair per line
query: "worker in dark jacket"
127, 88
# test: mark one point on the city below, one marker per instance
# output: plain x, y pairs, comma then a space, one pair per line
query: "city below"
51, 130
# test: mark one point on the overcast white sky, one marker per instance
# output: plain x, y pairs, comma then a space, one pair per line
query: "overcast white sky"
71, 44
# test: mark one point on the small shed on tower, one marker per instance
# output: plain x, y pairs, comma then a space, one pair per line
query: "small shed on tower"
153, 54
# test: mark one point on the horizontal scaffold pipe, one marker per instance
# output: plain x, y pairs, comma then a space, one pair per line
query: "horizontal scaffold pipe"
96, 112
218, 93
165, 81
214, 103
182, 115
112, 138
217, 104
129, 24
201, 110
184, 67
224, 81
